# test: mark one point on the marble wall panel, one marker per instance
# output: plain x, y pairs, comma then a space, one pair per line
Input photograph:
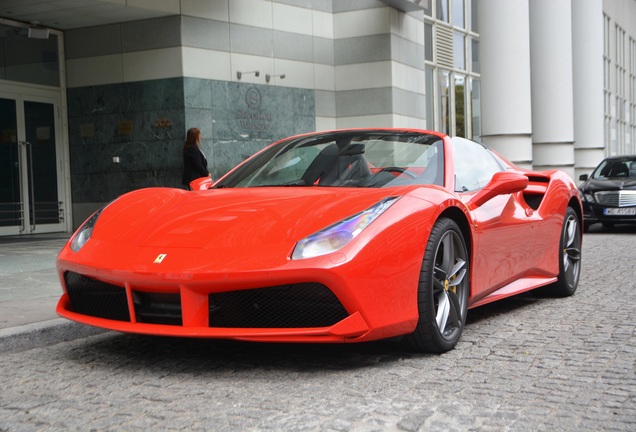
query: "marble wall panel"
247, 117
143, 124
197, 94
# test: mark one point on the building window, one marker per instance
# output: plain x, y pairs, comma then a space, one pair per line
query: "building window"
444, 105
459, 51
442, 10
475, 107
460, 106
607, 91
630, 108
622, 107
428, 42
430, 110
458, 13
29, 60
474, 56
473, 24
452, 67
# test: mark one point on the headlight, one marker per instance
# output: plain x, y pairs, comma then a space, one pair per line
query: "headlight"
588, 197
339, 234
84, 232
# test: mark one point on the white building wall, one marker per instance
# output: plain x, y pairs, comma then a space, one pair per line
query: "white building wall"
361, 58
552, 85
621, 103
587, 49
505, 78
379, 68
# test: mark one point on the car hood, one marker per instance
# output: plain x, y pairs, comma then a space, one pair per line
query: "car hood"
593, 185
260, 219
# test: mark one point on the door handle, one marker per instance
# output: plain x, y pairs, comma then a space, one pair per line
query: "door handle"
29, 149
22, 215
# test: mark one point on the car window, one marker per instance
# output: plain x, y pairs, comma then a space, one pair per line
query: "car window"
356, 158
474, 165
289, 166
615, 168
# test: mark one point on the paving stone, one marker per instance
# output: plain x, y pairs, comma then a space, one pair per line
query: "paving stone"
524, 364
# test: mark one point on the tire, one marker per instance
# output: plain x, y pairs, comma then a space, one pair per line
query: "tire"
443, 290
569, 256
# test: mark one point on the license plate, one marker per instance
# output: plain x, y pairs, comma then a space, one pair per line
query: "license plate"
620, 211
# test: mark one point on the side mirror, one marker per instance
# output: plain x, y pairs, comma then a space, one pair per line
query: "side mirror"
202, 183
502, 183
584, 177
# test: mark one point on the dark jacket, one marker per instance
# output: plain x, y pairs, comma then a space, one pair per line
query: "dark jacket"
195, 165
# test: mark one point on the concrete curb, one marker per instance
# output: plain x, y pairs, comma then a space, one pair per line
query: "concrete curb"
29, 336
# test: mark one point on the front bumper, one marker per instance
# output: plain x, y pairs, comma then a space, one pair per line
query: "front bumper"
325, 299
293, 312
596, 213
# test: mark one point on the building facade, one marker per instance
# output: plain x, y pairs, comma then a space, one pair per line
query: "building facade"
96, 95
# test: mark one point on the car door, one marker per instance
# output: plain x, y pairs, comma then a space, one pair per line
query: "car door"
504, 228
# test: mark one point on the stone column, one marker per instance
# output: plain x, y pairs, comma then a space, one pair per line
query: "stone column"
505, 78
552, 84
587, 55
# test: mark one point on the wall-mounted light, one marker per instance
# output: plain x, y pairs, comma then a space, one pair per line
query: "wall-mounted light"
38, 32
268, 77
239, 74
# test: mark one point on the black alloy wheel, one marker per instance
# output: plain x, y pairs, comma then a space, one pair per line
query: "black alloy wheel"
569, 256
443, 290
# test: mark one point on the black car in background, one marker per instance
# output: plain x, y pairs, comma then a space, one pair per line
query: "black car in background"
609, 194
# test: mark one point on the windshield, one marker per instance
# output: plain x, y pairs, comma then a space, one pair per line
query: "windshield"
345, 159
616, 168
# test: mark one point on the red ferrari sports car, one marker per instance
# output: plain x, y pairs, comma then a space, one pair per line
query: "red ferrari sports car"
340, 236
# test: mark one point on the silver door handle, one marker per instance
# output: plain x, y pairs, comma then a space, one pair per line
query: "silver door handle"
29, 148
22, 215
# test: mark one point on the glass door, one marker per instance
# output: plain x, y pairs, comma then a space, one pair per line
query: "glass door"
31, 177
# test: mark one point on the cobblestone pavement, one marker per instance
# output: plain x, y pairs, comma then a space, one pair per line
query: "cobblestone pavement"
529, 363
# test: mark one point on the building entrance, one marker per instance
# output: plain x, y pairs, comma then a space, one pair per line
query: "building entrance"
32, 196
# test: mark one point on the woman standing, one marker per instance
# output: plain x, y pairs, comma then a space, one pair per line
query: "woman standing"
195, 165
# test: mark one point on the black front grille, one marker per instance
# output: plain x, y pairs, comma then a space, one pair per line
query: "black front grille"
623, 198
286, 306
157, 308
95, 298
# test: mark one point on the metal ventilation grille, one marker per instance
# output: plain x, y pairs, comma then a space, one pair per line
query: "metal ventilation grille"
95, 298
299, 305
444, 46
616, 198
